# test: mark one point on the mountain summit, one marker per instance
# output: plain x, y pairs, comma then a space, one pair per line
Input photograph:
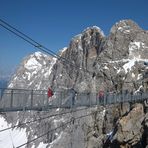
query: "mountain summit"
91, 62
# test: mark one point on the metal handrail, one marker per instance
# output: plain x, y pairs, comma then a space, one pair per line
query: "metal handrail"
11, 99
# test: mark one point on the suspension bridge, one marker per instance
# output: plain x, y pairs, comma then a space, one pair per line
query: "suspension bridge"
23, 99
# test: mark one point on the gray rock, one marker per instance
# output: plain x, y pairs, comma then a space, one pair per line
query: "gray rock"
114, 63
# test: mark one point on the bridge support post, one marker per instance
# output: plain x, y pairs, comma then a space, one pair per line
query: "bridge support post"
97, 100
104, 99
11, 100
1, 93
31, 98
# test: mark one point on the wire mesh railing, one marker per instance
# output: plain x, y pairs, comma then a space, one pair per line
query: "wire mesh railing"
23, 99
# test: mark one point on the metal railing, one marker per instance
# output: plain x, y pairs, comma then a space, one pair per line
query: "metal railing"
23, 99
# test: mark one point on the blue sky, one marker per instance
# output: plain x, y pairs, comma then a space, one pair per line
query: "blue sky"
54, 22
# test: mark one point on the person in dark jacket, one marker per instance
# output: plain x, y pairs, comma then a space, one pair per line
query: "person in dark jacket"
72, 96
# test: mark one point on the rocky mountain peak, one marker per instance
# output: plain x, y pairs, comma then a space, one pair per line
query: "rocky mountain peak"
30, 68
116, 64
125, 26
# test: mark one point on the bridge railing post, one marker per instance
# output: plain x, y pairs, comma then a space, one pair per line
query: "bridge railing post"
132, 97
31, 102
1, 94
89, 98
11, 99
104, 99
122, 96
46, 99
115, 98
97, 100
58, 99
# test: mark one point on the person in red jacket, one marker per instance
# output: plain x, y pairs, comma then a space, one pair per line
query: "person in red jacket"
101, 96
50, 92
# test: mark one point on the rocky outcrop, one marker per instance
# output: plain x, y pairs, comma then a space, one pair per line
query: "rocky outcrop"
117, 63
130, 130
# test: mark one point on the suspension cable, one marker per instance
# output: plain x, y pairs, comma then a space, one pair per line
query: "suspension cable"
71, 121
38, 45
28, 122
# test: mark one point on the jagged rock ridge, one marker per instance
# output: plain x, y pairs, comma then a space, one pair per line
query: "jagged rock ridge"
113, 63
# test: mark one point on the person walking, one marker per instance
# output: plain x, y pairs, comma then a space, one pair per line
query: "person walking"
72, 96
101, 96
50, 92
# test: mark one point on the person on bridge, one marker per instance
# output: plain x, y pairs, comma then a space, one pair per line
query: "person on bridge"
50, 92
72, 95
101, 96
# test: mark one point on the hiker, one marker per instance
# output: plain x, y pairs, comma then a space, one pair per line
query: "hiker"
50, 93
101, 96
72, 96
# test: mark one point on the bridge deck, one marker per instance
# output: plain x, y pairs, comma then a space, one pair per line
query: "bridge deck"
22, 100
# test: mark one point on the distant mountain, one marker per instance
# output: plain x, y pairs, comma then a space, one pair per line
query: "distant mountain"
94, 62
5, 78
3, 83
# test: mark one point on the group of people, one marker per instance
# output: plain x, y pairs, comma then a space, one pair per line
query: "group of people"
72, 93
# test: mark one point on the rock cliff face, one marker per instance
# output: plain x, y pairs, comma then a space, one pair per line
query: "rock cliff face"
115, 63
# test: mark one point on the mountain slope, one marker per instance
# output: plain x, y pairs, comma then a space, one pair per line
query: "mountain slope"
116, 63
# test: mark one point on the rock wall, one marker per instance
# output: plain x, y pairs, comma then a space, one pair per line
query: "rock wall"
116, 63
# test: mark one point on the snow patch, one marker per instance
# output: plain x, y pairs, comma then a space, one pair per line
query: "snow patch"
28, 75
42, 145
125, 29
133, 75
105, 67
52, 64
38, 54
10, 85
138, 90
103, 113
63, 50
139, 76
129, 65
134, 48
56, 140
58, 121
118, 71
78, 37
10, 138
95, 27
32, 64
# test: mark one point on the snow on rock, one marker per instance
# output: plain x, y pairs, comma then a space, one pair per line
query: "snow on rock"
10, 85
95, 27
32, 64
39, 54
105, 67
52, 64
134, 49
62, 51
103, 113
10, 138
134, 46
56, 140
56, 122
125, 29
133, 75
139, 76
42, 145
129, 65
